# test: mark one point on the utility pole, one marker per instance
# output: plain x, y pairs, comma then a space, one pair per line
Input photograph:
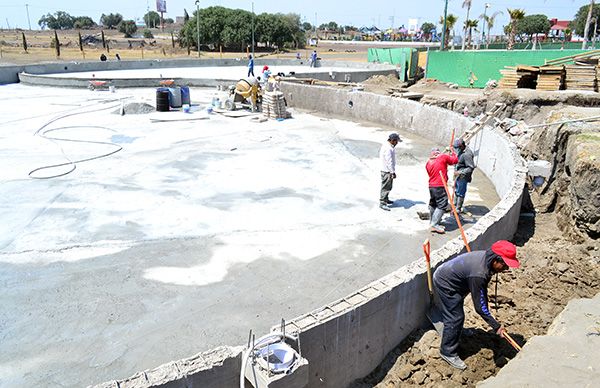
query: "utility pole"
253, 29
443, 47
28, 21
198, 25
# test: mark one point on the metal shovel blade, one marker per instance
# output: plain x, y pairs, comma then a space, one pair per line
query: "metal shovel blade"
435, 317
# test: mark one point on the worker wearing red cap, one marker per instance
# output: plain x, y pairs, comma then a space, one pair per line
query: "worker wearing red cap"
469, 273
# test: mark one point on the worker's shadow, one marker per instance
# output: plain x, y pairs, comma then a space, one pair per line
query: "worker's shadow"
471, 214
474, 340
405, 203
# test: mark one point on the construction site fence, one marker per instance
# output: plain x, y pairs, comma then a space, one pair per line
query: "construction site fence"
476, 68
406, 58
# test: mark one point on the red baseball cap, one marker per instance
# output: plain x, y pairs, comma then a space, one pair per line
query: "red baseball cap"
507, 251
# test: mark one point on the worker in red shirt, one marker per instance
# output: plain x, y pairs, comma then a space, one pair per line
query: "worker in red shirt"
438, 199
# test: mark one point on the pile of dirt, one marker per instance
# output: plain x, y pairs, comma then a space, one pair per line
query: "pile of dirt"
553, 272
383, 84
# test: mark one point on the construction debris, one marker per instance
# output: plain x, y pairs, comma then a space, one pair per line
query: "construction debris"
274, 106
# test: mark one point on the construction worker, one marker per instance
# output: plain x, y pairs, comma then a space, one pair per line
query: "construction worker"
438, 199
313, 59
455, 279
387, 155
250, 66
463, 172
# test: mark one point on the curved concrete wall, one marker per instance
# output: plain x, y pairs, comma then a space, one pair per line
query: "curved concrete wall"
348, 338
30, 74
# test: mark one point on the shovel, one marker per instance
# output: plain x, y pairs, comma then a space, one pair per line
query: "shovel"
433, 314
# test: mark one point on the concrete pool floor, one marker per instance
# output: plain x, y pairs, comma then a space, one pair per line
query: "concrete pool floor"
191, 235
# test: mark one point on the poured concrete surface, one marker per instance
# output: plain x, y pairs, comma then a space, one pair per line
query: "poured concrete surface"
194, 233
216, 72
567, 356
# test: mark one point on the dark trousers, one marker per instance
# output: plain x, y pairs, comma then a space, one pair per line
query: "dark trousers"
438, 199
250, 71
453, 315
386, 186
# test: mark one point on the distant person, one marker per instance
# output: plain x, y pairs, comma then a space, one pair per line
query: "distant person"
250, 66
469, 273
387, 156
118, 56
313, 59
103, 57
438, 199
298, 56
463, 172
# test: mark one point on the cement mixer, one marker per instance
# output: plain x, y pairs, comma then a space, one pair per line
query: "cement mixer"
246, 92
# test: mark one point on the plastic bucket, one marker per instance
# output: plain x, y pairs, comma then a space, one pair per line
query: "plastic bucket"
162, 100
185, 95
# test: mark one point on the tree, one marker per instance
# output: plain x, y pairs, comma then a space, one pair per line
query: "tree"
186, 16
451, 20
580, 23
469, 26
147, 34
111, 20
59, 21
169, 21
306, 26
427, 28
490, 20
152, 19
128, 28
515, 16
83, 22
56, 43
533, 24
466, 4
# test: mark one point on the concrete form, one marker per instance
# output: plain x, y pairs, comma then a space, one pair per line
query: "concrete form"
346, 339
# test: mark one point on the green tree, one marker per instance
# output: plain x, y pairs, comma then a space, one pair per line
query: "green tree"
533, 24
83, 22
111, 20
169, 21
470, 25
186, 16
152, 19
128, 28
579, 22
515, 15
427, 28
451, 20
306, 26
490, 20
60, 20
147, 34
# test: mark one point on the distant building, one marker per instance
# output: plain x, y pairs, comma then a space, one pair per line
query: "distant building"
558, 27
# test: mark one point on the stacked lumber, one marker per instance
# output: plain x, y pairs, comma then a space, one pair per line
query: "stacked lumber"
274, 106
581, 77
518, 77
551, 78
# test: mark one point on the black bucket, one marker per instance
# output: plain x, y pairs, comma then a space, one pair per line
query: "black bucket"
162, 99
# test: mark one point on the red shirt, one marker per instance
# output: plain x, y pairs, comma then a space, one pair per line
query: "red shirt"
439, 163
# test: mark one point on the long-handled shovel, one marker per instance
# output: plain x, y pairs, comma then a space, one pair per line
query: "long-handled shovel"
433, 314
505, 335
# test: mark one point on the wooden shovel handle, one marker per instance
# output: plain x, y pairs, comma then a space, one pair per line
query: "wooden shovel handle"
511, 341
462, 231
427, 251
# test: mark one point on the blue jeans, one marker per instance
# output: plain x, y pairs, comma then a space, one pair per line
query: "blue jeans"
460, 187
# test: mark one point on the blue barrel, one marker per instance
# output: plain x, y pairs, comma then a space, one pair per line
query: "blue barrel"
162, 99
185, 95
175, 97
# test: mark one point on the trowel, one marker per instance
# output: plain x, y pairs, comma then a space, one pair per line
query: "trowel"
433, 313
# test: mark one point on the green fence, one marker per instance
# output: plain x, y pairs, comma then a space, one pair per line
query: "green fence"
405, 58
461, 67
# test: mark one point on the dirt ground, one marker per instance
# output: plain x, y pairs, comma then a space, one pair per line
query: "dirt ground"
159, 47
557, 264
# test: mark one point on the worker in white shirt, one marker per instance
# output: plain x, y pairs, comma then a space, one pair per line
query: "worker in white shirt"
387, 155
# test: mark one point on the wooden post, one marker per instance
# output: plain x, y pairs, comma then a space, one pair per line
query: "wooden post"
56, 44
221, 51
142, 52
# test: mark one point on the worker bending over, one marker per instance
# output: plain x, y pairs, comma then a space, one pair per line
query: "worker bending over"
469, 273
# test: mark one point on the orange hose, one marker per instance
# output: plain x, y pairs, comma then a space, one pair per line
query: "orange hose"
462, 231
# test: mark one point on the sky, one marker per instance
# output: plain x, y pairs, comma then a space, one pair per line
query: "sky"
349, 12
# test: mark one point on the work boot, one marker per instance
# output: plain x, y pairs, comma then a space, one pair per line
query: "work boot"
389, 202
459, 204
385, 207
454, 361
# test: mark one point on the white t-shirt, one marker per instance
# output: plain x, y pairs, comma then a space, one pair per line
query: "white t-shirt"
387, 155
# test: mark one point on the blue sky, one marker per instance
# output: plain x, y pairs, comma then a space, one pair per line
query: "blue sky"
358, 13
